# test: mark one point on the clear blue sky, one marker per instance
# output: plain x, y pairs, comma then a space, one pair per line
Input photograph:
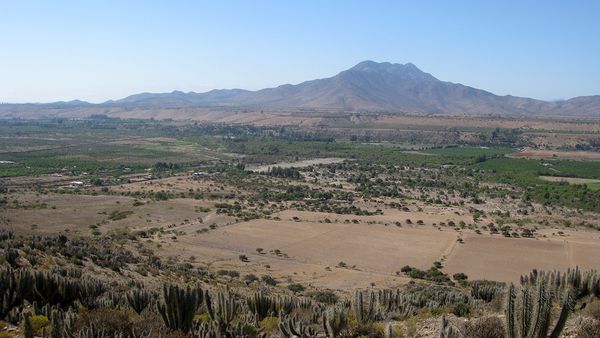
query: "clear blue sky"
99, 50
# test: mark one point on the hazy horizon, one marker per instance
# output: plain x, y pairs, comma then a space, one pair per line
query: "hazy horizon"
65, 50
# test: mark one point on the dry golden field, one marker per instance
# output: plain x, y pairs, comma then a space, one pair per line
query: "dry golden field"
322, 249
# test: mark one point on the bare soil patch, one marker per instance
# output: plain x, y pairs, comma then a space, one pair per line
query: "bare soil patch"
505, 259
570, 180
297, 164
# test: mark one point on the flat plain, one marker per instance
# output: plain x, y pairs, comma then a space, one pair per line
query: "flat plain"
321, 207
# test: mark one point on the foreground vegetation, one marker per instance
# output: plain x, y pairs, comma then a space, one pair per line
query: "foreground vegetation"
65, 300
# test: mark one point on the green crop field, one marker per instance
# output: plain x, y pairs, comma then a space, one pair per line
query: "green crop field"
40, 147
470, 151
594, 186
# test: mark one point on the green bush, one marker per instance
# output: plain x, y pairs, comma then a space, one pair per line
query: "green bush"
406, 269
296, 287
250, 278
460, 276
269, 324
38, 323
461, 310
269, 280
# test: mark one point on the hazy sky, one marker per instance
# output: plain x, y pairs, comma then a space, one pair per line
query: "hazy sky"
99, 50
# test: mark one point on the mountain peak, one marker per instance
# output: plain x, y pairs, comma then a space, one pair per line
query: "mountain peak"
406, 71
373, 65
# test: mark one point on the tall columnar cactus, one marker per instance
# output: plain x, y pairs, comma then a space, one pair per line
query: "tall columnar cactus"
260, 305
28, 328
291, 327
335, 320
595, 284
88, 290
5, 234
580, 283
365, 310
45, 288
389, 331
529, 310
211, 329
208, 330
305, 303
55, 289
139, 299
284, 305
486, 290
56, 324
179, 306
16, 285
92, 331
392, 304
11, 255
315, 312
222, 308
388, 299
448, 330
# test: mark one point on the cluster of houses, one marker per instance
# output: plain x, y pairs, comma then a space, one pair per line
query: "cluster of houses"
199, 174
76, 184
147, 177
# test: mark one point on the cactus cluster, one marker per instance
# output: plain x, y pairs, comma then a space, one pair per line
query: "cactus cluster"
486, 290
284, 305
179, 305
291, 327
139, 299
335, 321
212, 330
398, 304
580, 283
365, 307
529, 309
447, 330
261, 305
65, 296
222, 308
24, 284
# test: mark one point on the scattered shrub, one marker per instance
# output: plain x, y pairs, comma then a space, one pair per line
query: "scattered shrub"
38, 323
268, 280
461, 310
485, 327
250, 277
269, 324
296, 287
460, 276
324, 296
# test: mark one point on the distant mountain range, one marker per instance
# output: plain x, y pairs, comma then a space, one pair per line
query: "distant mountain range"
367, 87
